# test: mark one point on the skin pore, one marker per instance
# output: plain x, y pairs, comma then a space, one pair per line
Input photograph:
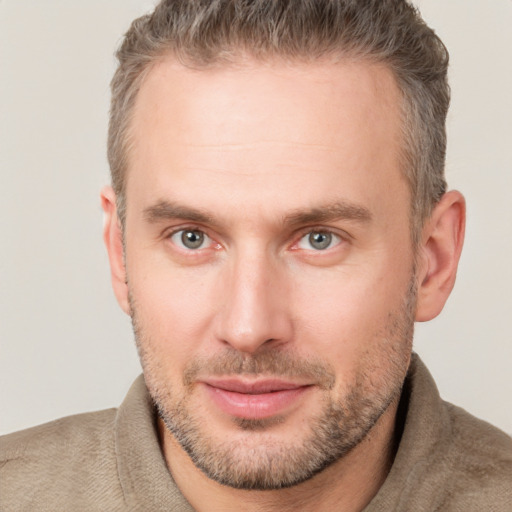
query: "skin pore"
270, 277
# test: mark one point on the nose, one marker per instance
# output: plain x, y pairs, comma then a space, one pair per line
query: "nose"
254, 309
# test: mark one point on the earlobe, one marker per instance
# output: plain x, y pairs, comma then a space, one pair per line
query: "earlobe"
113, 238
442, 240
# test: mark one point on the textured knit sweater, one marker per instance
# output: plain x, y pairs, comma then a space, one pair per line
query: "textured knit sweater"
447, 460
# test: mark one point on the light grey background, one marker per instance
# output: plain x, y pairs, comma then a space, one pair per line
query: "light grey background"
65, 346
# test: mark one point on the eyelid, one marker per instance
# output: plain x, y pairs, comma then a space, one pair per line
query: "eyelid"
177, 239
342, 235
170, 232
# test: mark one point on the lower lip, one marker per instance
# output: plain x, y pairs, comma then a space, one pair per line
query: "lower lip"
257, 406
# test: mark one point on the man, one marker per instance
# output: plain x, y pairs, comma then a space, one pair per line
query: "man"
278, 219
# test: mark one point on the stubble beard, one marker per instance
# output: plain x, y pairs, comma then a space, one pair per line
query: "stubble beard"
256, 460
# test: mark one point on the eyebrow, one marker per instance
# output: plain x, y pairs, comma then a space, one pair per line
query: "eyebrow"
340, 210
165, 210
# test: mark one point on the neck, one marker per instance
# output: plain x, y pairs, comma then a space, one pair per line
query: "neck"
349, 484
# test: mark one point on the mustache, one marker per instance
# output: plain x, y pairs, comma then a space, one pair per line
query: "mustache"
275, 363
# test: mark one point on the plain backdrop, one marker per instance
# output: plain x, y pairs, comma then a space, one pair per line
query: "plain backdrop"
66, 347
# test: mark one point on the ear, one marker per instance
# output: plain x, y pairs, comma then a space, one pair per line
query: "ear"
113, 238
442, 240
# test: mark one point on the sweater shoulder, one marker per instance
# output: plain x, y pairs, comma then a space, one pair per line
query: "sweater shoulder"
475, 463
476, 443
61, 434
48, 464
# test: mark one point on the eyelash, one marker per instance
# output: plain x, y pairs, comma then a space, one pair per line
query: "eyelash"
333, 239
190, 229
337, 239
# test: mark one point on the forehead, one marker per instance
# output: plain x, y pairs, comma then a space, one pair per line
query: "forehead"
275, 129
324, 92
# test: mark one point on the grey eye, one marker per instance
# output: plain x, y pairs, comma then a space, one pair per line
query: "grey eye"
190, 239
318, 240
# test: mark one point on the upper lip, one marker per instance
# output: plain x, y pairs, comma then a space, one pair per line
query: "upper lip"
256, 387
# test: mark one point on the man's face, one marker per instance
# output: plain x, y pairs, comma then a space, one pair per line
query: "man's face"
269, 262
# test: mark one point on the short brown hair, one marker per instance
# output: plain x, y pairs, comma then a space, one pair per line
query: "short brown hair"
205, 32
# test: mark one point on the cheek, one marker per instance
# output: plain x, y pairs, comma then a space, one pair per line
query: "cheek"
346, 317
174, 310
